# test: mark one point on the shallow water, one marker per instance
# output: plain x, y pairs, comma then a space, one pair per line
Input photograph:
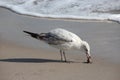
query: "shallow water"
76, 9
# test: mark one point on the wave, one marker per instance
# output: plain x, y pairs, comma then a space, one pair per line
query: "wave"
73, 9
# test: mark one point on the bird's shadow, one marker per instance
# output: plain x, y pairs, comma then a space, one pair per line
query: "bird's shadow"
29, 60
36, 60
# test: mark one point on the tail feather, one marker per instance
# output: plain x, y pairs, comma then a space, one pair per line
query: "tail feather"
34, 35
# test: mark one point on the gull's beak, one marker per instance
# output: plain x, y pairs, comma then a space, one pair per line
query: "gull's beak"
88, 58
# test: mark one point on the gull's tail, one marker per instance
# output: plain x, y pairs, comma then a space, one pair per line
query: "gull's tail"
34, 35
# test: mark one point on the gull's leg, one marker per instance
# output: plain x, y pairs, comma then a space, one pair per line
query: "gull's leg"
64, 56
61, 55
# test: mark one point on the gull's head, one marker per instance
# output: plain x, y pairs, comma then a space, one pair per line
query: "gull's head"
86, 48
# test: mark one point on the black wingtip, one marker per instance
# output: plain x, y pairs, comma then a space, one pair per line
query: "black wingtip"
27, 32
24, 31
34, 35
31, 33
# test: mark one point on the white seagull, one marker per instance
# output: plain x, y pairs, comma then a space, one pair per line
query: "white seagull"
63, 40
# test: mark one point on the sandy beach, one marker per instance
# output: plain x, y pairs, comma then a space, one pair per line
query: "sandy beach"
24, 58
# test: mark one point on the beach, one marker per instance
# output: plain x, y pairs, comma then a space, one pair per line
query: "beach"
24, 58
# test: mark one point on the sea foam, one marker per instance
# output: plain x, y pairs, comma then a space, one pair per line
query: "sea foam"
75, 9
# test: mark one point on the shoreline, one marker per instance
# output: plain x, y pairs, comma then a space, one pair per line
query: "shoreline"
24, 58
64, 19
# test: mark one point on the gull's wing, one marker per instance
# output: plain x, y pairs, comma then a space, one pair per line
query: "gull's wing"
55, 39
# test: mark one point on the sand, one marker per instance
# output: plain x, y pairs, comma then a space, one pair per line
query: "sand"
23, 58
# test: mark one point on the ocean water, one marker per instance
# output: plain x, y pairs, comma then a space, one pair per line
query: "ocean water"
73, 9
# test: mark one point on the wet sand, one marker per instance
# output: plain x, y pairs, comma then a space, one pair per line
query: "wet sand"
24, 58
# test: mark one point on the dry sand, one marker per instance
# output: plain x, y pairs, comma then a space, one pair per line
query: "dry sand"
22, 61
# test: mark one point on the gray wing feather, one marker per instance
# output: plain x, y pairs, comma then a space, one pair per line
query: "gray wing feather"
55, 39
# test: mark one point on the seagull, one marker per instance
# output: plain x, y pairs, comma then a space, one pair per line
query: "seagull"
63, 40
